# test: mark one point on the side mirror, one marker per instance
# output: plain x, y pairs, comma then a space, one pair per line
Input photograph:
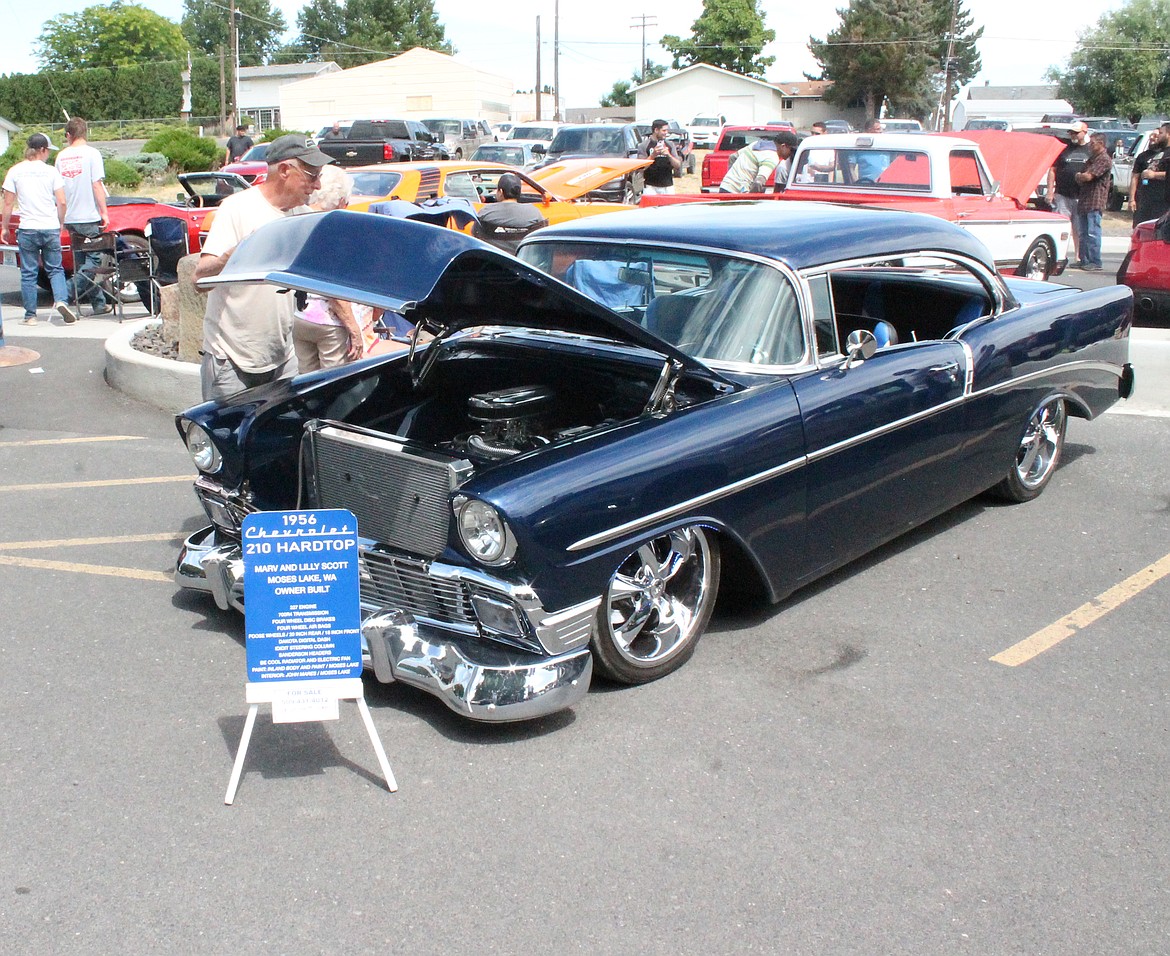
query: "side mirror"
538, 149
996, 188
860, 346
181, 198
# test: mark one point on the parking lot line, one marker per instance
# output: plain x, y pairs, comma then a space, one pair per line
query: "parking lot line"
1084, 615
109, 483
69, 441
113, 572
78, 542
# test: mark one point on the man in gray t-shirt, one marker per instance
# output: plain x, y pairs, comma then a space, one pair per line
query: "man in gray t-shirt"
86, 217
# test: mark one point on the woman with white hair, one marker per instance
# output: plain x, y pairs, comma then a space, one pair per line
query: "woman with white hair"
328, 332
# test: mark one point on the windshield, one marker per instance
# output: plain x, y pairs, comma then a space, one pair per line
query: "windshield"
452, 128
594, 140
714, 308
512, 155
531, 132
705, 121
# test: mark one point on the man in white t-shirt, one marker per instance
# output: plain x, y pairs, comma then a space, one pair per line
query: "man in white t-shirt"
247, 329
83, 170
38, 188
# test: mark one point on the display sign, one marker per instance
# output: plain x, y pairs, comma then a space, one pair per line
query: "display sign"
302, 608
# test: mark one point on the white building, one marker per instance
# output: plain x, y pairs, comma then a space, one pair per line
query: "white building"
1016, 104
414, 84
259, 88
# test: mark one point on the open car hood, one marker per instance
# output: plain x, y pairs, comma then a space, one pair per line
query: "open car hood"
573, 178
429, 273
1017, 161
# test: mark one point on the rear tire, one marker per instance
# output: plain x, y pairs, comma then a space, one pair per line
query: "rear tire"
1038, 261
1038, 454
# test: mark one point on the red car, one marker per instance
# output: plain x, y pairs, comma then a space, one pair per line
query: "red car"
1146, 270
731, 140
130, 214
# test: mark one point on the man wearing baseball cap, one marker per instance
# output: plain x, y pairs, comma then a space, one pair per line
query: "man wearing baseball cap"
247, 329
39, 189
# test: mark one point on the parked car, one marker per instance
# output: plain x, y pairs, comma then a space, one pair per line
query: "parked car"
501, 130
987, 123
384, 141
521, 153
838, 126
981, 181
901, 126
252, 166
1146, 270
601, 141
536, 131
1123, 169
560, 190
732, 139
201, 192
638, 411
681, 140
460, 136
704, 130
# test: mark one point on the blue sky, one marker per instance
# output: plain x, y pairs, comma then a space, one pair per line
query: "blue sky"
601, 40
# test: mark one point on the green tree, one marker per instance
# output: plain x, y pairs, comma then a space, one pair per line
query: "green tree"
728, 34
108, 36
893, 53
354, 32
206, 27
622, 95
1119, 66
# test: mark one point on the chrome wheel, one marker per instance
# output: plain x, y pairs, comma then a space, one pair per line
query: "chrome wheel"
1038, 453
657, 606
1037, 262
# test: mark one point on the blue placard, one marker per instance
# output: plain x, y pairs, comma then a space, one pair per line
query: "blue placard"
302, 608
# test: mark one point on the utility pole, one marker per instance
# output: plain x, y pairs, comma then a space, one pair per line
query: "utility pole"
643, 21
223, 120
949, 68
538, 67
557, 61
235, 24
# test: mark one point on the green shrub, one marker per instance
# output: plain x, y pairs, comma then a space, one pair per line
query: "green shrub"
147, 165
121, 175
270, 135
185, 152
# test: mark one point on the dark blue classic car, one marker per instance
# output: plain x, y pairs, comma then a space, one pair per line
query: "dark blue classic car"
642, 407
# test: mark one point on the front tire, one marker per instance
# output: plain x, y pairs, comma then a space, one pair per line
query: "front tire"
1038, 261
1038, 453
657, 606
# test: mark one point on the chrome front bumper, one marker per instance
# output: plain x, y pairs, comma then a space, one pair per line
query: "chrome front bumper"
475, 678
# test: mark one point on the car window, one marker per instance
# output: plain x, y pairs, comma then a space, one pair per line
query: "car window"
908, 300
715, 308
967, 177
867, 168
462, 185
371, 183
512, 155
531, 132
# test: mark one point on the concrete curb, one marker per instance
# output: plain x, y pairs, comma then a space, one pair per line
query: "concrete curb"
163, 383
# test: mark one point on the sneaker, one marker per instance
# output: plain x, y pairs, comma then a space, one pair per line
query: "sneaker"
29, 320
1089, 267
66, 313
1076, 264
104, 310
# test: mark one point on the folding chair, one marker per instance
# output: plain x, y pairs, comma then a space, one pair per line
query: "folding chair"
132, 265
168, 241
101, 247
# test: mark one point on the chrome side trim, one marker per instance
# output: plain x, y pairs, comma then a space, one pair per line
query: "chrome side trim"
610, 534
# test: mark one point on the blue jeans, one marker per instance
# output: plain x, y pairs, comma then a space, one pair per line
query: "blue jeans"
1089, 228
84, 264
40, 247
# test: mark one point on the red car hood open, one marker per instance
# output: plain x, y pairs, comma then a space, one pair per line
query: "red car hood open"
1018, 161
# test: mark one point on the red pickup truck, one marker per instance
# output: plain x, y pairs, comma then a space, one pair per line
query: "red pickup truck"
733, 139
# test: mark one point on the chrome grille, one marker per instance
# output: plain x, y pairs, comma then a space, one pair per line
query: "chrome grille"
398, 494
398, 582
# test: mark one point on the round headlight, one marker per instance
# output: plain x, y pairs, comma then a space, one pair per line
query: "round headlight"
203, 450
484, 532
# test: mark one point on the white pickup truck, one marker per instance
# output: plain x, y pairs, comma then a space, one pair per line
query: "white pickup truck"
981, 181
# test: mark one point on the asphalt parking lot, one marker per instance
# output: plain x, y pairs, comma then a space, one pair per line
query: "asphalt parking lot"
958, 743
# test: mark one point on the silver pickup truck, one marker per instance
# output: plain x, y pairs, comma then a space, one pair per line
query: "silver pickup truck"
1123, 171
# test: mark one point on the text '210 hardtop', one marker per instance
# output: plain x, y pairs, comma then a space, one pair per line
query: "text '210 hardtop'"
640, 410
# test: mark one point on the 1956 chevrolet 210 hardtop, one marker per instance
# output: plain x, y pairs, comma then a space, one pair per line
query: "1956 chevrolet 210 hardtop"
640, 407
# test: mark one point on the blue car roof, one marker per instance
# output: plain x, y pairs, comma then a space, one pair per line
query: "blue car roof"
801, 234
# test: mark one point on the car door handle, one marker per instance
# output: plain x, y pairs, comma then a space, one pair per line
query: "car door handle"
949, 370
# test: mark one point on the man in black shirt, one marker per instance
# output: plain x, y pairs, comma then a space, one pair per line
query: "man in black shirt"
1062, 180
659, 176
237, 145
1148, 186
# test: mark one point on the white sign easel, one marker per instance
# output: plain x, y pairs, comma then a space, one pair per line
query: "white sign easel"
305, 700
